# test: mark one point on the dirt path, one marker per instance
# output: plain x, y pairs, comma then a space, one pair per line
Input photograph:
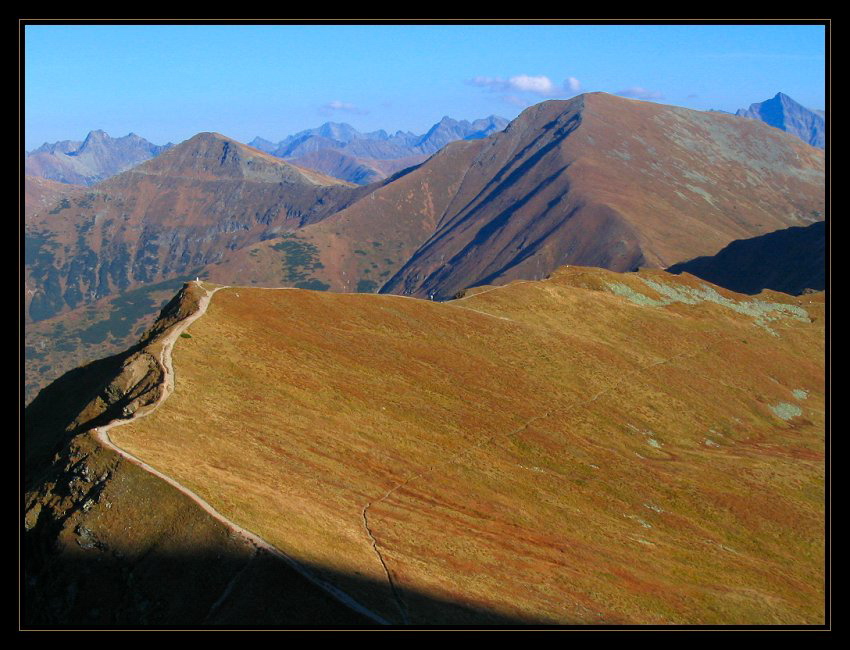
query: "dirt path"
102, 434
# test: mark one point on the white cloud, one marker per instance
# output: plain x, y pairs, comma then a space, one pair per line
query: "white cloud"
539, 85
572, 84
337, 105
524, 83
636, 92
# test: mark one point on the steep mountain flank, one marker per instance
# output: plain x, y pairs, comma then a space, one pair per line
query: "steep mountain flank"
598, 180
784, 113
605, 181
593, 448
98, 157
166, 218
42, 194
361, 246
790, 260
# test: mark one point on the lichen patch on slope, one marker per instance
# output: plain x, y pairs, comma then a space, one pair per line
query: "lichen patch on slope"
762, 311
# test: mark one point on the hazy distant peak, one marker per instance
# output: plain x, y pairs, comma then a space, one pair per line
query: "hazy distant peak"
338, 131
94, 159
783, 112
374, 150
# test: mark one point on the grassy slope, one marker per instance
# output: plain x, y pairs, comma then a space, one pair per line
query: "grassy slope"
549, 451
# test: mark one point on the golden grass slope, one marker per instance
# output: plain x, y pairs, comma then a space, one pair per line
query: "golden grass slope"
595, 448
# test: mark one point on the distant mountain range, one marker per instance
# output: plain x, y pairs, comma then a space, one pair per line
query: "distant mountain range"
340, 150
784, 113
94, 159
336, 149
379, 144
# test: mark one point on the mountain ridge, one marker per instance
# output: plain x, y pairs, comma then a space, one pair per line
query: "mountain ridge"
342, 151
562, 474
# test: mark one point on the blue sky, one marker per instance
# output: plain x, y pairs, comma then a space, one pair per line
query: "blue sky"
169, 82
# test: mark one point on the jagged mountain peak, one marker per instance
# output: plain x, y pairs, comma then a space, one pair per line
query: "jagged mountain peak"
785, 113
97, 157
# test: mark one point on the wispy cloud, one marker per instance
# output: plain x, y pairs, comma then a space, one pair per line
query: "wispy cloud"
636, 92
540, 85
339, 106
524, 90
524, 83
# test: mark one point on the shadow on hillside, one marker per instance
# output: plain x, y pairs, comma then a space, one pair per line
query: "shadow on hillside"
790, 260
96, 588
58, 404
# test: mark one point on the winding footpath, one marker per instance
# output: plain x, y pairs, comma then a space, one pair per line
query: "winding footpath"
102, 435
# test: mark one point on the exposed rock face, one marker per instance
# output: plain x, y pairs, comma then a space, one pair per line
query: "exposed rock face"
784, 113
790, 260
110, 388
98, 157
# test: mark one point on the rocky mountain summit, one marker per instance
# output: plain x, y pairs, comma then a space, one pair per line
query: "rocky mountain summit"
784, 113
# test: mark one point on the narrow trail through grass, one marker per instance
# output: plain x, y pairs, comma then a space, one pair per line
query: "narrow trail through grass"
102, 435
